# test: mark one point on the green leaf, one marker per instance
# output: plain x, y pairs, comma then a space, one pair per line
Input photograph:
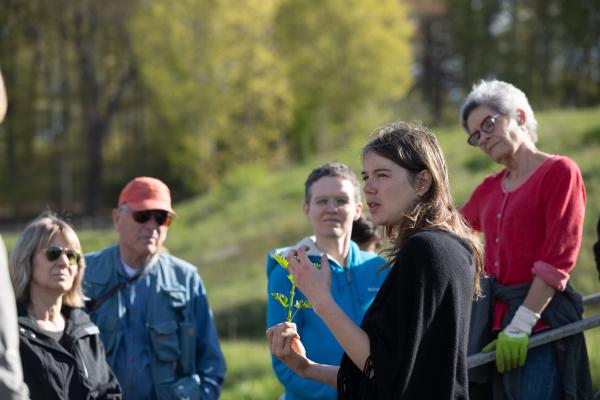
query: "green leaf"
302, 304
281, 298
281, 260
291, 279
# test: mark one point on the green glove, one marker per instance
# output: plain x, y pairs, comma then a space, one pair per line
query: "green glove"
511, 344
511, 351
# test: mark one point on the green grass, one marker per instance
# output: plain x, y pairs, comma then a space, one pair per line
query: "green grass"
228, 232
249, 375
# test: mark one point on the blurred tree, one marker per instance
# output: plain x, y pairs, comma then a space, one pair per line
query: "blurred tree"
549, 48
103, 91
68, 65
340, 56
106, 68
433, 57
213, 73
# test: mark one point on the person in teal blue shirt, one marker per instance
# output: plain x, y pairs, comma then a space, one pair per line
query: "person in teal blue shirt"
332, 203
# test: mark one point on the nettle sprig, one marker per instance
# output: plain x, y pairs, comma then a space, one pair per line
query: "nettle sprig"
283, 299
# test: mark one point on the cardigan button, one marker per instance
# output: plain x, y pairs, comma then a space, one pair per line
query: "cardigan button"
498, 215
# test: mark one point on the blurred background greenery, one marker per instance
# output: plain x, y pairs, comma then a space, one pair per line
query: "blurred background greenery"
102, 91
232, 103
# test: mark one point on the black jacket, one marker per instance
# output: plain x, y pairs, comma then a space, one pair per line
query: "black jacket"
73, 368
417, 325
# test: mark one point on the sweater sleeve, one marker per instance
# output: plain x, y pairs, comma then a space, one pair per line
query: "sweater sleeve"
564, 200
416, 291
278, 282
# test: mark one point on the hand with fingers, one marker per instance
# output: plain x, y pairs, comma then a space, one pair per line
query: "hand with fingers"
314, 283
285, 344
511, 344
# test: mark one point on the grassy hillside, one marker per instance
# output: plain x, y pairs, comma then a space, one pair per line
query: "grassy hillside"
228, 233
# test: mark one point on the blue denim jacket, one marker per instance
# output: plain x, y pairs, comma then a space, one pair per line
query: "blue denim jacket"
182, 345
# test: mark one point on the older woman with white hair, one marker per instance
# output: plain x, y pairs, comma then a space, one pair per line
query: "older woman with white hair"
60, 347
531, 214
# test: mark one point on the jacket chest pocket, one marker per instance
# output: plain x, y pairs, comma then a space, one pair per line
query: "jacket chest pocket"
165, 341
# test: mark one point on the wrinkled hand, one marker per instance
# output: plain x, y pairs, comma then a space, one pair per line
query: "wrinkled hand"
314, 283
511, 350
285, 344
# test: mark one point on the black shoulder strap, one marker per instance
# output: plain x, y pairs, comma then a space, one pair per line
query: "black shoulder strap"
94, 304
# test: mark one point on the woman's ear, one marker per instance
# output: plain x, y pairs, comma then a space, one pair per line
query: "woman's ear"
359, 208
423, 182
521, 117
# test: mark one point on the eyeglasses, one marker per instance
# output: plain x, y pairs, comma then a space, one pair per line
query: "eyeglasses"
53, 253
161, 217
335, 201
487, 126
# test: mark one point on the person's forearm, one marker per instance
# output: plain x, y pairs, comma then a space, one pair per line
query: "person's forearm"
353, 339
539, 295
323, 373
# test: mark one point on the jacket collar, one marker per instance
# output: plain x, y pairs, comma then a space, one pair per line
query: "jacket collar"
78, 321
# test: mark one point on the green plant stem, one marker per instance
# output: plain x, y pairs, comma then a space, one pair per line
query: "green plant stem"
295, 312
291, 305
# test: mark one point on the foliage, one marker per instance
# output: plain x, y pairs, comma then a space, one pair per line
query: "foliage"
100, 92
217, 81
340, 56
548, 48
282, 298
67, 67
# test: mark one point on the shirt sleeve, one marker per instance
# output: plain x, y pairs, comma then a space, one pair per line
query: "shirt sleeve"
210, 363
564, 200
278, 282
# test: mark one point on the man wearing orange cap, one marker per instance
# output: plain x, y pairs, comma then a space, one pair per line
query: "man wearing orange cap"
150, 306
11, 374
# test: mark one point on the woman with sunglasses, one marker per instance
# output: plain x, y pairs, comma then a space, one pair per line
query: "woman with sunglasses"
411, 343
60, 347
531, 215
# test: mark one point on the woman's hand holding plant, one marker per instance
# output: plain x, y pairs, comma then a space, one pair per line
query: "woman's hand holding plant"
315, 283
285, 344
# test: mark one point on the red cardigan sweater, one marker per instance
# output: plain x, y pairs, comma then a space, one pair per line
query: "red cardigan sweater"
532, 230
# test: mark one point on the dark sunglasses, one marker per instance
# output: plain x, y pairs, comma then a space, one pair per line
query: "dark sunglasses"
161, 217
53, 253
487, 126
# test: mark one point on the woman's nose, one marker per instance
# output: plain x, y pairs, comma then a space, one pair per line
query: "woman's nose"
368, 187
332, 205
63, 260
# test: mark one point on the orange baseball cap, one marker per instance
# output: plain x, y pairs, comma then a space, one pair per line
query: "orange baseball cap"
146, 193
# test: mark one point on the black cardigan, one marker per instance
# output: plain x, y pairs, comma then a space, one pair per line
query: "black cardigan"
417, 325
74, 368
